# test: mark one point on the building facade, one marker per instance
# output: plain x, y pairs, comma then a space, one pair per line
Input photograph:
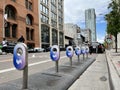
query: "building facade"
51, 22
90, 23
87, 34
73, 35
20, 17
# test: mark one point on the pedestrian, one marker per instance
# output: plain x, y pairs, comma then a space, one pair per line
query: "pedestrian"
90, 49
21, 39
4, 45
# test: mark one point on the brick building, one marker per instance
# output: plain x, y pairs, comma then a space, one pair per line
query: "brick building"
22, 19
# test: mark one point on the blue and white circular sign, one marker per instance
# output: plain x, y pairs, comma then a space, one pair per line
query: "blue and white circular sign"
83, 50
87, 49
77, 50
55, 53
20, 56
69, 51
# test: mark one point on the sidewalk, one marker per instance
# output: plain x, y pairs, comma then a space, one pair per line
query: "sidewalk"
114, 68
96, 77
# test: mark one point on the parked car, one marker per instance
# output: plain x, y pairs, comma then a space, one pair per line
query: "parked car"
10, 47
38, 49
30, 50
47, 49
101, 48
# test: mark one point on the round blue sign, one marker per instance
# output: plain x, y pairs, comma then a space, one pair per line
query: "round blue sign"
55, 53
87, 49
77, 50
69, 51
19, 56
83, 51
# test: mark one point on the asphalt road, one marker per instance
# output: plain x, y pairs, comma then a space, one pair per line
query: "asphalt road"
37, 62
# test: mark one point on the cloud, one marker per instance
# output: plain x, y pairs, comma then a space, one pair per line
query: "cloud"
100, 38
75, 10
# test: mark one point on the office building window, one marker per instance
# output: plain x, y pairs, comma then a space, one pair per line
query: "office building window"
28, 5
29, 19
61, 38
54, 37
14, 30
11, 12
29, 34
45, 2
45, 34
7, 30
44, 10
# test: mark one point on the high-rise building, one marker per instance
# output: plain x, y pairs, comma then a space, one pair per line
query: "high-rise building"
90, 23
87, 34
19, 17
51, 22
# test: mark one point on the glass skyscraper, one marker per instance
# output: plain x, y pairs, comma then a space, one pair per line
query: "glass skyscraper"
90, 23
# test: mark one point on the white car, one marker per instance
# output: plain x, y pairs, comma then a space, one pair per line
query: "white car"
38, 49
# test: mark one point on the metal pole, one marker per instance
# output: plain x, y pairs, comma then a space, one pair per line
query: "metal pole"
78, 58
25, 74
25, 77
87, 55
56, 63
71, 61
83, 56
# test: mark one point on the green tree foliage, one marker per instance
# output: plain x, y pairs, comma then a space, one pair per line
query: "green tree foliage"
113, 20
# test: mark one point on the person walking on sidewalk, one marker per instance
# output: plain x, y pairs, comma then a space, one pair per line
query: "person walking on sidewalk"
21, 39
90, 49
4, 45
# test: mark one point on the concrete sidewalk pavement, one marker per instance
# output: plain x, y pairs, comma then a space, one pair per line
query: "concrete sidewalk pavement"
113, 60
96, 77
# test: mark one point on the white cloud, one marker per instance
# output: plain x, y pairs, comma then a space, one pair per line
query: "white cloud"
101, 40
74, 10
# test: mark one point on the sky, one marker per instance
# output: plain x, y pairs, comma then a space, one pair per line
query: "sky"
74, 12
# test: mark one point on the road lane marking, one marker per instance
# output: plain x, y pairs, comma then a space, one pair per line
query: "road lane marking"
8, 60
32, 64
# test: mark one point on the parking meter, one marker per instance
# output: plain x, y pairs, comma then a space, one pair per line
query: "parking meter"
20, 61
55, 55
83, 51
69, 53
20, 56
87, 51
78, 52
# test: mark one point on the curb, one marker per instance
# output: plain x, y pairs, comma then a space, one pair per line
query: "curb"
114, 78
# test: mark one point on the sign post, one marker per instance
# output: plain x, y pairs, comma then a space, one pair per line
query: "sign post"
55, 55
20, 61
69, 53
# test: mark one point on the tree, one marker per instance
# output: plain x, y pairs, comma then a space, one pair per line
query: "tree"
113, 20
